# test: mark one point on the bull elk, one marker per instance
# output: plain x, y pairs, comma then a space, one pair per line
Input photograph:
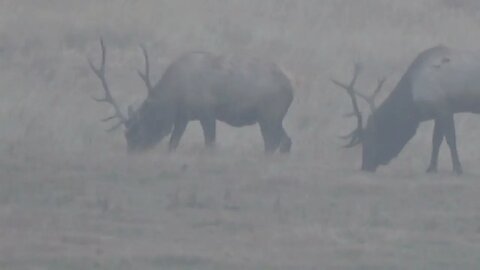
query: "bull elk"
205, 87
439, 83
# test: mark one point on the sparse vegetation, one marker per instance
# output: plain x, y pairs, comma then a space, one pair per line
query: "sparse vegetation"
70, 197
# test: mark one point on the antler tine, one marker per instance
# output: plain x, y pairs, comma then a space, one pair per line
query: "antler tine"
355, 138
100, 73
114, 127
146, 76
380, 83
371, 98
357, 68
356, 135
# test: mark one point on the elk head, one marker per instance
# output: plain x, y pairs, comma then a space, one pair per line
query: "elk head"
361, 134
142, 127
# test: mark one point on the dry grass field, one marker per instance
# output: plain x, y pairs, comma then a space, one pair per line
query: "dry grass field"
70, 197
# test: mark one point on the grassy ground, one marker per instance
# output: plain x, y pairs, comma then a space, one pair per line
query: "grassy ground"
70, 197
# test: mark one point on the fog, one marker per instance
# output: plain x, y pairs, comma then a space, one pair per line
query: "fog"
71, 197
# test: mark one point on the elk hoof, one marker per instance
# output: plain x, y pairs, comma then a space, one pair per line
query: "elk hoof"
432, 169
210, 145
457, 170
286, 146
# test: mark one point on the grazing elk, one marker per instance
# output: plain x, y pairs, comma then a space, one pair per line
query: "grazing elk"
206, 87
439, 83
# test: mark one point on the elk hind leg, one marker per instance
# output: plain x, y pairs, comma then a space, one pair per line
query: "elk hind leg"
272, 136
452, 143
285, 143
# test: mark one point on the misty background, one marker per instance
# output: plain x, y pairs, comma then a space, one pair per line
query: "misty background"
70, 197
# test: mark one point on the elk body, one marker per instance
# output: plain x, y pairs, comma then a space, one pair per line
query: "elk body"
206, 87
439, 83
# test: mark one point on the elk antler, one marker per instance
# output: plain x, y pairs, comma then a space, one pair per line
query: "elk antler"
356, 135
100, 72
371, 98
145, 76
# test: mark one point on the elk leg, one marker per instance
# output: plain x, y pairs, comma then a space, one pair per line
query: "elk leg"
177, 133
272, 136
209, 130
286, 142
437, 139
452, 143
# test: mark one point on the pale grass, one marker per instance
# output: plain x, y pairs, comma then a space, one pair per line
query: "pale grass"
70, 197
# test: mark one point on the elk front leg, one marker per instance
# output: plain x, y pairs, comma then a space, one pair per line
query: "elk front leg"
209, 131
452, 143
178, 130
437, 139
